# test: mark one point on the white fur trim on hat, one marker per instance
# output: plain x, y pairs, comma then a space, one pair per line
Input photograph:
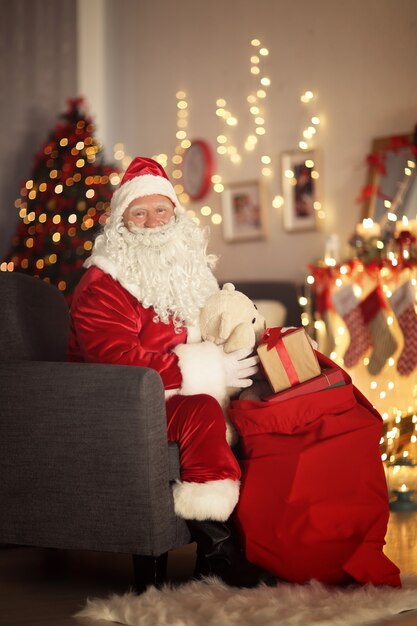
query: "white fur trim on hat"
214, 499
140, 186
202, 369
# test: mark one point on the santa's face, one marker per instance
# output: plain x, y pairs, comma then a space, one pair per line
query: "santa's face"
159, 256
148, 212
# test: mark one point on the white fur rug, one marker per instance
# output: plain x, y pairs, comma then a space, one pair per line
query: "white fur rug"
214, 604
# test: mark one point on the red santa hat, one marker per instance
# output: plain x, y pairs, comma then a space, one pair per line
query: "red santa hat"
143, 177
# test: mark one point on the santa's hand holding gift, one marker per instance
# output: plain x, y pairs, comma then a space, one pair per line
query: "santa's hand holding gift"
138, 304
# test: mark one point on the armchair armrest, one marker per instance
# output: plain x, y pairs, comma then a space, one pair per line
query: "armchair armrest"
84, 458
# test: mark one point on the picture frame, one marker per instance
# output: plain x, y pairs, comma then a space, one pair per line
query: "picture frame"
244, 214
385, 177
299, 190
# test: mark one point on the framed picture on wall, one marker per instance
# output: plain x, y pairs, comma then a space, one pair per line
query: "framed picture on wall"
243, 207
299, 189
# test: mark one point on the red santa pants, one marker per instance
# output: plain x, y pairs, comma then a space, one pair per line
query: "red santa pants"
196, 423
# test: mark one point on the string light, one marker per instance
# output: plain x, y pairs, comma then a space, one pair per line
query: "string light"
224, 146
277, 202
114, 179
306, 143
306, 97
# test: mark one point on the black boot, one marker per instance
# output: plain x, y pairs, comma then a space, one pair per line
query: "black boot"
218, 554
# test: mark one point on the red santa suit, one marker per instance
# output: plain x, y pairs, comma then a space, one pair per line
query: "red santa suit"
148, 277
110, 325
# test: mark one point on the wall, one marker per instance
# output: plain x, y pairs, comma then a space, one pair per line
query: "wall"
38, 60
358, 56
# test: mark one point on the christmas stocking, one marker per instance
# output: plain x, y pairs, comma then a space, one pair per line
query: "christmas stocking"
383, 342
349, 308
330, 341
324, 308
403, 302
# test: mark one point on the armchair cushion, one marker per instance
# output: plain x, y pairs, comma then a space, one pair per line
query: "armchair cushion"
34, 319
84, 458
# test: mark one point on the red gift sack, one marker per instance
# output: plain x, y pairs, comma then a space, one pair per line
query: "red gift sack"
314, 501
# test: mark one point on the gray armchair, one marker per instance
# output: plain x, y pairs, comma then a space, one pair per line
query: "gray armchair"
84, 458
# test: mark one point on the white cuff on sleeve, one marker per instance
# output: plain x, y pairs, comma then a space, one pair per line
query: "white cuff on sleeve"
202, 369
214, 499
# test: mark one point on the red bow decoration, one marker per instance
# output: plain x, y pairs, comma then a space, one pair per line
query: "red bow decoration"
324, 278
367, 192
405, 237
373, 268
397, 142
271, 336
377, 160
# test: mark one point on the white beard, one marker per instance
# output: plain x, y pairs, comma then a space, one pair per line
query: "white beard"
166, 268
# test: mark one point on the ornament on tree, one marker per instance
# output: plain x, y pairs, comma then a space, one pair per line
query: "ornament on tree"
357, 245
403, 303
348, 307
63, 203
383, 342
365, 249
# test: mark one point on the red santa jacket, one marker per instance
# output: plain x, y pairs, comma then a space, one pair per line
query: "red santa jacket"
109, 325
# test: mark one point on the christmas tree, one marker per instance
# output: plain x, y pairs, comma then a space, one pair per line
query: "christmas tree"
63, 204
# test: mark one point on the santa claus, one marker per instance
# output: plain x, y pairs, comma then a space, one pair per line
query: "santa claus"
138, 304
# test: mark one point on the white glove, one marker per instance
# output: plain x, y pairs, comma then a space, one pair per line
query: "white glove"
239, 367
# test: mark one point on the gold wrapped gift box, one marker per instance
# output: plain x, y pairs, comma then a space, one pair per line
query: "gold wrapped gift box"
288, 359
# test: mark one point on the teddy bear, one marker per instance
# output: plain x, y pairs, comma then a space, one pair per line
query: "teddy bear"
230, 319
